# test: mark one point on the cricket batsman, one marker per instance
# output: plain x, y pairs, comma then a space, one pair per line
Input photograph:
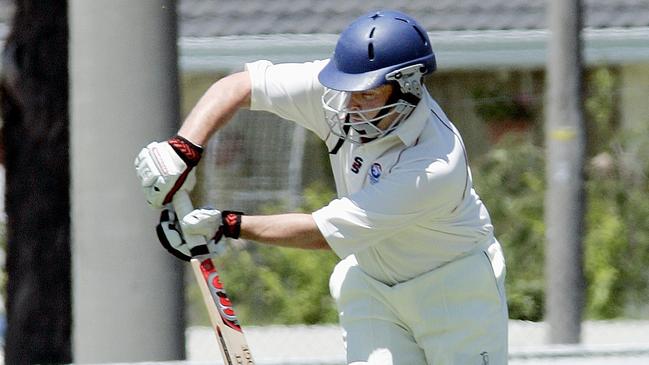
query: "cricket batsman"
421, 275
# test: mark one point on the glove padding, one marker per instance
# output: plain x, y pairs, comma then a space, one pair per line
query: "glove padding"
203, 222
170, 235
166, 167
208, 222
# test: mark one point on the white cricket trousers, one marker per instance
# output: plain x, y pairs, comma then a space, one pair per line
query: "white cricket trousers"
453, 315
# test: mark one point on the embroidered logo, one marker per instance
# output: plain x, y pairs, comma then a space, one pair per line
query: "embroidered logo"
375, 172
356, 165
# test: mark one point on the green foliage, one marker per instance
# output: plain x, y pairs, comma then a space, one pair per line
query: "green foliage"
604, 247
494, 104
616, 242
600, 108
279, 285
617, 237
510, 181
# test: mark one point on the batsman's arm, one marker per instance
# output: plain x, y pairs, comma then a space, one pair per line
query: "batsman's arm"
216, 107
288, 230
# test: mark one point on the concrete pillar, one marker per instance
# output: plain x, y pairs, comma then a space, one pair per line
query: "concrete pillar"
124, 93
565, 153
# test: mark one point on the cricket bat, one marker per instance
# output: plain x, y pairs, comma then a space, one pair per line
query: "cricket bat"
232, 342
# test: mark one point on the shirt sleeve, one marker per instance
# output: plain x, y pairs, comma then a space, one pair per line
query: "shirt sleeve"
419, 190
291, 91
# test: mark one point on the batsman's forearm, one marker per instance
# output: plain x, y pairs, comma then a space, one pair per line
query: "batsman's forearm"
287, 230
216, 107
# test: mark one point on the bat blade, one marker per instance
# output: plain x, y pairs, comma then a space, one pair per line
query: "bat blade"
229, 334
232, 342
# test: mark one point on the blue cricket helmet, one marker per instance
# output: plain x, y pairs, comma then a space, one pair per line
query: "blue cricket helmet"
374, 45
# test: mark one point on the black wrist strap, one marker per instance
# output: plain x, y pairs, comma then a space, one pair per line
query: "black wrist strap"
186, 149
231, 221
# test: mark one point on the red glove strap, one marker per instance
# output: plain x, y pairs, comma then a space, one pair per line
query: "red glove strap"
231, 223
186, 149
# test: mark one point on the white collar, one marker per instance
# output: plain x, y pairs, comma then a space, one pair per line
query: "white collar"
411, 128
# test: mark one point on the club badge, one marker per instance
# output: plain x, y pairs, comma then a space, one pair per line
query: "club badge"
375, 173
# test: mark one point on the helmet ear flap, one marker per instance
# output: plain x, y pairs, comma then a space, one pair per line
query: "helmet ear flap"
407, 97
409, 79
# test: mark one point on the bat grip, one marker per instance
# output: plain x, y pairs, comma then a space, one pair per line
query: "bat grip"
183, 206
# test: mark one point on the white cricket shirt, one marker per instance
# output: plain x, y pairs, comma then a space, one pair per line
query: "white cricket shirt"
405, 201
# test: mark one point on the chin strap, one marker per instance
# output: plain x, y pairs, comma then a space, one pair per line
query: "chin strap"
341, 141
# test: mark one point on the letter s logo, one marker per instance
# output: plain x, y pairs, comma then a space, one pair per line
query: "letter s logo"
356, 165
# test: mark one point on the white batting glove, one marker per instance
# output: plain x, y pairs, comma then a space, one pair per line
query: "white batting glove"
212, 223
166, 167
203, 222
170, 235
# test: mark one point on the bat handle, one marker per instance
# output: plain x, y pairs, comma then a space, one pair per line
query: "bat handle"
183, 206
